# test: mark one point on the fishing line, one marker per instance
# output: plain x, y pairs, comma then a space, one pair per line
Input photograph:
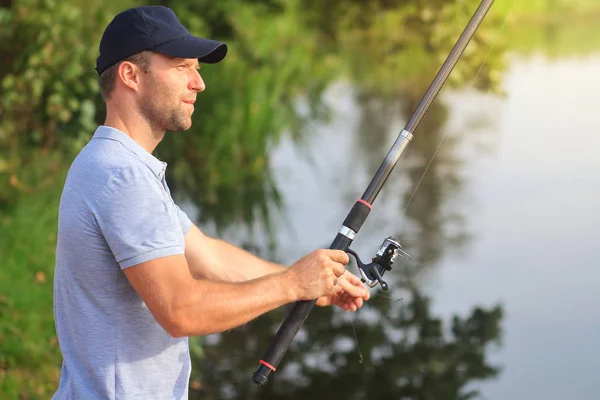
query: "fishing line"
360, 359
388, 297
470, 86
494, 40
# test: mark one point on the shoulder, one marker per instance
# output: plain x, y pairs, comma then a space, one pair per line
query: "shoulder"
105, 171
105, 158
108, 161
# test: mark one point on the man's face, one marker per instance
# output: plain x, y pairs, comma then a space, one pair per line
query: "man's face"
168, 92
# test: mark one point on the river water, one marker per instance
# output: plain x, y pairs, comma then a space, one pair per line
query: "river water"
528, 201
536, 220
507, 214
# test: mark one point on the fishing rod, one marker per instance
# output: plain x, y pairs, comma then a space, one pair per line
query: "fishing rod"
388, 252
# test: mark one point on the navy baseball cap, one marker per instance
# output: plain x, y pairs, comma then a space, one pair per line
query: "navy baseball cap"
154, 28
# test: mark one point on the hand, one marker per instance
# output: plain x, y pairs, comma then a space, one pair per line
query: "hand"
316, 274
349, 293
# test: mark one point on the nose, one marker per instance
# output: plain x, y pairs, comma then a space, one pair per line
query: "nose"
196, 82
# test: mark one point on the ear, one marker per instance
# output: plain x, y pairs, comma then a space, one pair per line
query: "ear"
129, 74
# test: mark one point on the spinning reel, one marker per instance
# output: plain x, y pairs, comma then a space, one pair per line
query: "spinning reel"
386, 255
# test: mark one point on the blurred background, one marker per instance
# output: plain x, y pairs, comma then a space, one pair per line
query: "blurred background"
498, 300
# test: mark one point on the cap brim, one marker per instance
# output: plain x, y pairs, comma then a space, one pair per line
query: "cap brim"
205, 50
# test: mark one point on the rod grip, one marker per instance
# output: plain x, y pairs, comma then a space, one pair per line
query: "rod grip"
283, 338
289, 328
357, 215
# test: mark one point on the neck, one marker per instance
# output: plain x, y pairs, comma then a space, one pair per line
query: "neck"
135, 125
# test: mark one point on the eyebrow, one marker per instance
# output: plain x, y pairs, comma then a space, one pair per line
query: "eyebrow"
195, 64
189, 63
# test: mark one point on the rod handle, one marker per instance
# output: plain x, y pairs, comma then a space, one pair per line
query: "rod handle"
289, 328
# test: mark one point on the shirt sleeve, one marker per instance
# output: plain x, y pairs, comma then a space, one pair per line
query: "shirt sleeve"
184, 220
138, 219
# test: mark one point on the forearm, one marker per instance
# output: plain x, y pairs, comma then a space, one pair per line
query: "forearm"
216, 260
211, 307
243, 263
185, 306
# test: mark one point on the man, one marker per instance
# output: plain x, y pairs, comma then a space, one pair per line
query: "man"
134, 276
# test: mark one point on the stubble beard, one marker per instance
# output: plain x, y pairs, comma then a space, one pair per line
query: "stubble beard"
162, 114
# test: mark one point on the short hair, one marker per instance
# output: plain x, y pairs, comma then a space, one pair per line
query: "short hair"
108, 77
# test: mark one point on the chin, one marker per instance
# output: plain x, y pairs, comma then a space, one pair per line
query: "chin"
181, 127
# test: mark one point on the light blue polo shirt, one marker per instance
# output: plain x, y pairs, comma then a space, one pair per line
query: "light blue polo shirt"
115, 211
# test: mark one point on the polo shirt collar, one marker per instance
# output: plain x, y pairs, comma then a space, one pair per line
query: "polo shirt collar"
107, 132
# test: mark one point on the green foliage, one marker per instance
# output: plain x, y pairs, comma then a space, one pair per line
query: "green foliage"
545, 9
394, 48
222, 163
49, 92
555, 37
551, 27
50, 95
29, 353
305, 46
48, 87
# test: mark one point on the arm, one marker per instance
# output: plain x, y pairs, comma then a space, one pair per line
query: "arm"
185, 306
138, 224
217, 260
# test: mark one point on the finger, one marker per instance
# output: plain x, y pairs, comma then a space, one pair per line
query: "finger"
358, 302
345, 302
350, 302
339, 256
345, 297
353, 290
357, 282
352, 307
338, 269
349, 305
341, 302
335, 294
321, 301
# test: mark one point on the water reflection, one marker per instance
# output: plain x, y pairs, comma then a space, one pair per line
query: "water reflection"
408, 351
505, 214
536, 224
